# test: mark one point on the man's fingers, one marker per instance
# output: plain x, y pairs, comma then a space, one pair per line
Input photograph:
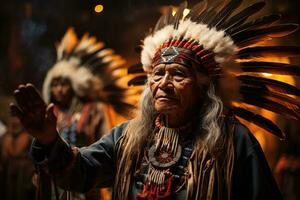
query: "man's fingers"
50, 113
22, 98
30, 102
24, 118
16, 111
34, 95
27, 124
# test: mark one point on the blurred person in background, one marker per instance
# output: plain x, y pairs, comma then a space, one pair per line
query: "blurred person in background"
16, 163
80, 85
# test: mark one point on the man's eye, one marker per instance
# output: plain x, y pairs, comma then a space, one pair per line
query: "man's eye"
179, 73
158, 73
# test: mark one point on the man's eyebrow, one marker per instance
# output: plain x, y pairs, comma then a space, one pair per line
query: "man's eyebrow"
157, 68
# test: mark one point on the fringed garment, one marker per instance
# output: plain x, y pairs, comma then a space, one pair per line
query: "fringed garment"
208, 173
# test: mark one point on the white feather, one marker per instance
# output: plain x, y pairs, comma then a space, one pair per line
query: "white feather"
210, 38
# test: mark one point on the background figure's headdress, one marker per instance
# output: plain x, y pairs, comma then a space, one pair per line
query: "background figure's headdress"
226, 44
95, 72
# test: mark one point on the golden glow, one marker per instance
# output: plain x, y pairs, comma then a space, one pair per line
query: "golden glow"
186, 12
98, 8
267, 141
174, 9
266, 74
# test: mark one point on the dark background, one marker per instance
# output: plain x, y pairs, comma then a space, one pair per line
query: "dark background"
29, 30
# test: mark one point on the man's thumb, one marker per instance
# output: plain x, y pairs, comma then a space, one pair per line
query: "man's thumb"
50, 113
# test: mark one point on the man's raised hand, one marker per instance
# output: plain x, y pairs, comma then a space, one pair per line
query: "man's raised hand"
37, 118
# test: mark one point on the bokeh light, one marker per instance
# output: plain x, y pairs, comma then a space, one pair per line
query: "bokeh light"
98, 8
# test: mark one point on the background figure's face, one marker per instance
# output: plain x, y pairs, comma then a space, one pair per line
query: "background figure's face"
61, 91
174, 89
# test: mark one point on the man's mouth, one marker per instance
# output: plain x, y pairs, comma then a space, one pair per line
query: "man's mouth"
166, 98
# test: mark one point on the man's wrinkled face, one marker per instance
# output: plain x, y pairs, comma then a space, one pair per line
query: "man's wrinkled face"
61, 91
174, 89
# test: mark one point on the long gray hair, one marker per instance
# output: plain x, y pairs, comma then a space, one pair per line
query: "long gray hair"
207, 119
140, 129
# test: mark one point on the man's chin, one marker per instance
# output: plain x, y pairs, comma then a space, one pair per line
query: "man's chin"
167, 109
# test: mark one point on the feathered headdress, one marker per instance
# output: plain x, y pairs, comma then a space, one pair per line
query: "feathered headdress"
226, 44
95, 72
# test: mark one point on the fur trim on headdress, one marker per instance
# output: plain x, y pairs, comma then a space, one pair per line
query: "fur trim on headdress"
80, 78
210, 38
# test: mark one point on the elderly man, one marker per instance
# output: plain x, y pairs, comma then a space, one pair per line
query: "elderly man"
186, 143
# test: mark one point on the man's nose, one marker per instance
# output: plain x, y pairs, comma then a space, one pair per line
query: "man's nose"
166, 81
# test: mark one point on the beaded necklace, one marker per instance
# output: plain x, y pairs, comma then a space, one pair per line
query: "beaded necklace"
163, 169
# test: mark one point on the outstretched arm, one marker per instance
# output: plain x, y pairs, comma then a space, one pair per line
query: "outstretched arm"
80, 169
72, 168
